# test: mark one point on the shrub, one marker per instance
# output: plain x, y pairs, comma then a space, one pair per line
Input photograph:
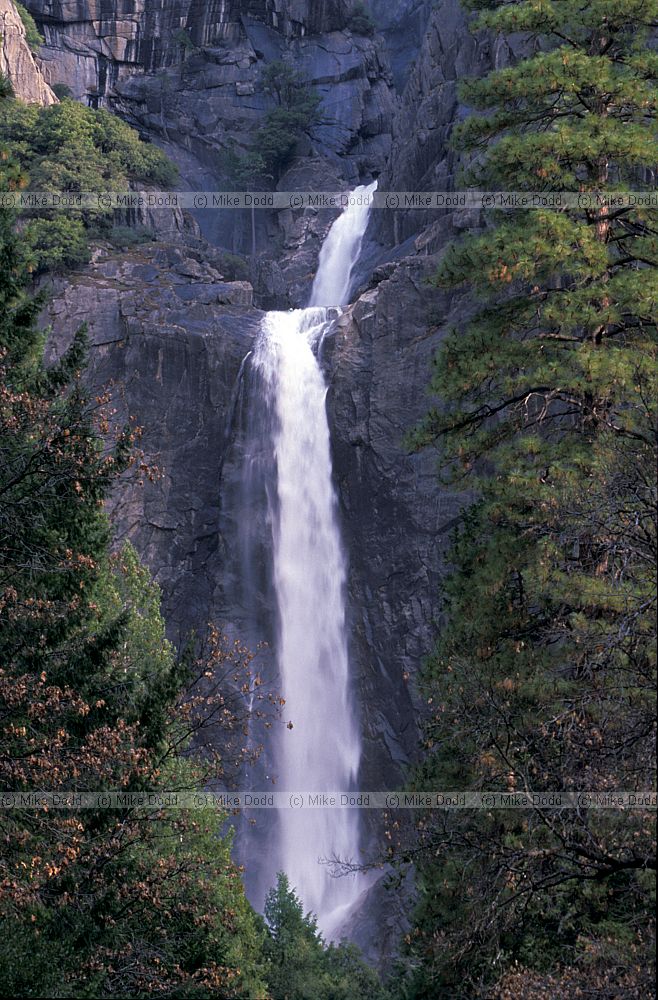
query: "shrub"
61, 90
360, 21
234, 268
124, 237
6, 89
183, 38
33, 36
71, 148
57, 244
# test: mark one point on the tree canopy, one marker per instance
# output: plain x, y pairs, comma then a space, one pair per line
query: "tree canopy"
70, 148
544, 675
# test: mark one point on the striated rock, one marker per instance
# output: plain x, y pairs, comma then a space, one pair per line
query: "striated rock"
17, 61
308, 16
164, 221
161, 332
402, 24
396, 517
421, 159
91, 45
200, 99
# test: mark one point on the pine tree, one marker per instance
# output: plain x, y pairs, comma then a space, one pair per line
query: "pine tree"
295, 111
92, 697
299, 966
544, 673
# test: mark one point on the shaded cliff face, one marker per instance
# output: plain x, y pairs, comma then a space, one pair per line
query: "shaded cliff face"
171, 332
90, 45
392, 511
168, 334
17, 62
421, 156
402, 24
186, 75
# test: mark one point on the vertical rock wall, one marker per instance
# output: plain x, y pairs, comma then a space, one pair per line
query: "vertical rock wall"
168, 330
17, 61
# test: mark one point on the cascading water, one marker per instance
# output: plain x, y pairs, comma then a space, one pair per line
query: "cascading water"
341, 249
322, 750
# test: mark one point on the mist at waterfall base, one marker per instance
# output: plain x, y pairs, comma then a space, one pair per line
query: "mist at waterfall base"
291, 557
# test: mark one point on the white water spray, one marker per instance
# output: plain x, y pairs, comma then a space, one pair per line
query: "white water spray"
321, 752
341, 249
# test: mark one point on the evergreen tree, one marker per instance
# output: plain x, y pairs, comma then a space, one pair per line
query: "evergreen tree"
544, 675
6, 89
360, 21
294, 946
299, 966
295, 111
69, 148
98, 902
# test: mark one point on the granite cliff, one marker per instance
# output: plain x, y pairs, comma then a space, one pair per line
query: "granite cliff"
17, 61
186, 75
172, 321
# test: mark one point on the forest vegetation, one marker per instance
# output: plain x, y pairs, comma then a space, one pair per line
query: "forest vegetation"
544, 675
544, 672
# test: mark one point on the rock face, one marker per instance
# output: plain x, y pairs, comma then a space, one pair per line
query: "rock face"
91, 45
186, 74
170, 333
17, 61
421, 157
393, 513
171, 329
402, 24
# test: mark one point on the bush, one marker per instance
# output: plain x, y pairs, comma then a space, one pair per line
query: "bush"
360, 21
183, 38
6, 89
61, 90
124, 237
33, 36
234, 268
139, 160
71, 148
57, 244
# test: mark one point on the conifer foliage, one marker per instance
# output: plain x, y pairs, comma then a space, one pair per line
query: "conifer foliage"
300, 966
544, 675
115, 902
98, 902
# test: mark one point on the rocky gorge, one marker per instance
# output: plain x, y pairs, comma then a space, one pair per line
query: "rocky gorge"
172, 320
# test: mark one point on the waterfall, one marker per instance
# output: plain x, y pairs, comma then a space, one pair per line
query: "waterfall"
321, 752
341, 250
